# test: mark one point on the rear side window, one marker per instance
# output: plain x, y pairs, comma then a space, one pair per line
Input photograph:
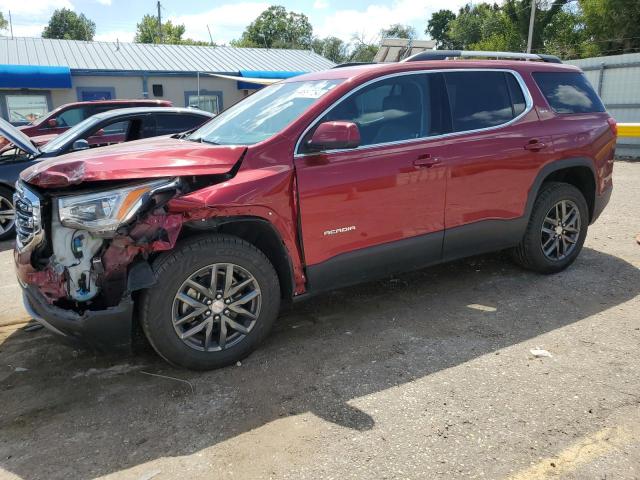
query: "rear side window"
568, 92
168, 124
482, 99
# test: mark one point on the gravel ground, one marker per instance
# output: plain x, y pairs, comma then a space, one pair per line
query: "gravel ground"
427, 375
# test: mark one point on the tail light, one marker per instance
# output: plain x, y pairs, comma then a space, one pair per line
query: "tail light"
613, 125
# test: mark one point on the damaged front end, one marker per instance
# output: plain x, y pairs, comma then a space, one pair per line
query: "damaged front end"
81, 254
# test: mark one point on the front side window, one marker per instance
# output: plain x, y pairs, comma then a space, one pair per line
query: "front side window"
480, 99
73, 133
26, 108
568, 92
264, 113
395, 109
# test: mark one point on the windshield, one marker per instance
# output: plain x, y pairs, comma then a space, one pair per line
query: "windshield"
263, 114
63, 138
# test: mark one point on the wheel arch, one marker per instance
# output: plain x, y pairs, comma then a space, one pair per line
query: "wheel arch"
578, 172
260, 233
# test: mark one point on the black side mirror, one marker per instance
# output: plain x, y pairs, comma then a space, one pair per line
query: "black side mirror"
81, 144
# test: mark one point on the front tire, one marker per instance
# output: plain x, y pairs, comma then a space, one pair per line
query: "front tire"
216, 298
556, 231
7, 214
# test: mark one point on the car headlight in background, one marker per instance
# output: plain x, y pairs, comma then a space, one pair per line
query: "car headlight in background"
105, 211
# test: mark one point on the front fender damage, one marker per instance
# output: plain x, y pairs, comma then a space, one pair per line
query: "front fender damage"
158, 232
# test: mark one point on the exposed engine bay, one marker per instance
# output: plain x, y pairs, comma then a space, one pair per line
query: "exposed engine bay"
89, 249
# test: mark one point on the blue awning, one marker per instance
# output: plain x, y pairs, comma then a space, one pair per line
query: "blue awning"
33, 76
271, 74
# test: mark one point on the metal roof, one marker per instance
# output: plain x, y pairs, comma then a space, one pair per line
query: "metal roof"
116, 56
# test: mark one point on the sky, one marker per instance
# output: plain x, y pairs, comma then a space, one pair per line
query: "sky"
116, 19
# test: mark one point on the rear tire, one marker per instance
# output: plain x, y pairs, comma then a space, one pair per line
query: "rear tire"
197, 322
556, 230
7, 214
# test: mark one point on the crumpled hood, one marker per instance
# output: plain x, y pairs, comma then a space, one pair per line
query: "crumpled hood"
150, 158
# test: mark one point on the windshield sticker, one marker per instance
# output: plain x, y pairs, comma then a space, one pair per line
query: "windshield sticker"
312, 89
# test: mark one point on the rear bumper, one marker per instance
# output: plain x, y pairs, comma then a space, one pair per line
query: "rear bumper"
108, 330
600, 202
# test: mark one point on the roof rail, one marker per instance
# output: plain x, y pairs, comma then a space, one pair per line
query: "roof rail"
453, 54
352, 64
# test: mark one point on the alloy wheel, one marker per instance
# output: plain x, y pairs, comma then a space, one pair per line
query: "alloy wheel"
7, 215
560, 230
216, 307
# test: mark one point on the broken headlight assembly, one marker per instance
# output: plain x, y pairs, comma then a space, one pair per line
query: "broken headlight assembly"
103, 212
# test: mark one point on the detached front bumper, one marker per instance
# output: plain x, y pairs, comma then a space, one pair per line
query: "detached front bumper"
109, 330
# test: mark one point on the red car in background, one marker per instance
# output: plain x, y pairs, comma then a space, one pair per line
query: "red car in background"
66, 116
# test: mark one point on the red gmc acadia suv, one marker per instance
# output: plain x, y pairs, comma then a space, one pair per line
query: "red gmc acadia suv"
310, 184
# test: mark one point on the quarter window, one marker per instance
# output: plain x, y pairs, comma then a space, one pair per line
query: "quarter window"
568, 92
482, 99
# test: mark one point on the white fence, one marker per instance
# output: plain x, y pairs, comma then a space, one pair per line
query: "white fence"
617, 81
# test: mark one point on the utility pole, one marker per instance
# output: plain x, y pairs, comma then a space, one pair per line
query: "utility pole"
210, 37
11, 24
532, 18
159, 23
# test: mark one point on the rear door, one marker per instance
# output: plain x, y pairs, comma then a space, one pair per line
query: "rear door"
497, 148
170, 123
378, 208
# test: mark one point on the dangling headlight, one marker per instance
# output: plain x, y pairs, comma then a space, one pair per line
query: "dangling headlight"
104, 212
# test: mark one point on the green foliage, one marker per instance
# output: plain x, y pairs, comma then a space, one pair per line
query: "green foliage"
398, 30
566, 37
66, 24
4, 24
277, 28
362, 50
438, 29
483, 27
519, 12
561, 27
331, 48
613, 25
147, 31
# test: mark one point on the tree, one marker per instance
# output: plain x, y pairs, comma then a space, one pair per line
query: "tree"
519, 12
3, 22
331, 48
277, 28
438, 29
66, 24
398, 30
147, 31
566, 37
483, 27
362, 51
613, 25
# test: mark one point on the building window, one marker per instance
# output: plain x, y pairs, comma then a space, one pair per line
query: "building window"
208, 103
26, 108
207, 100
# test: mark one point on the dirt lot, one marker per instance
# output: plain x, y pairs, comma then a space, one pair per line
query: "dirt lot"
428, 375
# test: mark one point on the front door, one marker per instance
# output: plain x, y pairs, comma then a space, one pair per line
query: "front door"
378, 208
